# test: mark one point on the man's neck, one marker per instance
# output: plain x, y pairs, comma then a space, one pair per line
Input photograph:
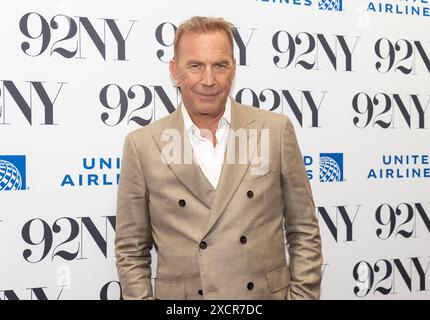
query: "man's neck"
207, 123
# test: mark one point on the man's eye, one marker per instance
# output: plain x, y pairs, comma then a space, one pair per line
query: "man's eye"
220, 66
194, 66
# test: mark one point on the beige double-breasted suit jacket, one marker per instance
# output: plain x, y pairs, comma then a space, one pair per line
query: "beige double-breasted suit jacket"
223, 243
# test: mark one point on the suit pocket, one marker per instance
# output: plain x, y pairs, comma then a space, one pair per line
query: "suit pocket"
278, 279
169, 290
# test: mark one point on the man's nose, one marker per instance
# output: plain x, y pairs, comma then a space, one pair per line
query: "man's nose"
208, 77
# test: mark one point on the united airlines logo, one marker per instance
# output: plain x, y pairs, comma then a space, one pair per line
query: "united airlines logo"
401, 166
93, 172
418, 8
331, 167
12, 173
330, 5
324, 5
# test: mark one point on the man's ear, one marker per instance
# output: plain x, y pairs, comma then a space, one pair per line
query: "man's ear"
173, 70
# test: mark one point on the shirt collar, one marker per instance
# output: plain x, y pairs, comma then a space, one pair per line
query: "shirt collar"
189, 124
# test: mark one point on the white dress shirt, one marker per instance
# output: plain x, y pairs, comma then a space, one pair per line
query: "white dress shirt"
209, 158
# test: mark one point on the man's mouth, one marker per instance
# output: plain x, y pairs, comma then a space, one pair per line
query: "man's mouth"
207, 95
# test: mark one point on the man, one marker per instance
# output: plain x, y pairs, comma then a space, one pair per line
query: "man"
217, 221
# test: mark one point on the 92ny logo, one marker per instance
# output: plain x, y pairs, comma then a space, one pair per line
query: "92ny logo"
391, 276
402, 56
37, 101
110, 291
67, 238
165, 34
406, 220
390, 111
69, 37
313, 51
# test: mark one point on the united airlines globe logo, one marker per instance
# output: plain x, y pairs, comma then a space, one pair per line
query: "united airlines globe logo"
12, 173
10, 177
331, 167
330, 5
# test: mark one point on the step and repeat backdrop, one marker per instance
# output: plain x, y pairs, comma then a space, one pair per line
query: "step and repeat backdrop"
77, 76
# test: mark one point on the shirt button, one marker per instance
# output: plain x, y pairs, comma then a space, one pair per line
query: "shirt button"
182, 203
203, 245
250, 194
250, 286
201, 292
243, 239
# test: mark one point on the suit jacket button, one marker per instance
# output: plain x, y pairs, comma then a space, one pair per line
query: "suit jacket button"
201, 292
243, 239
203, 245
250, 194
250, 286
182, 203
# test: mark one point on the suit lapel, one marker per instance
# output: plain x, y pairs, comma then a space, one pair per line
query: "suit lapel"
233, 172
190, 174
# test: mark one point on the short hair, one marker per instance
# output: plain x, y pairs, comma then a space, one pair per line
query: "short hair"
200, 25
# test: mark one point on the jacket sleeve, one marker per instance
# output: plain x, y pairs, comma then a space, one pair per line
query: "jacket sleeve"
133, 240
301, 225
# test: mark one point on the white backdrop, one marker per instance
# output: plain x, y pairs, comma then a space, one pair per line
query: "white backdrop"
76, 76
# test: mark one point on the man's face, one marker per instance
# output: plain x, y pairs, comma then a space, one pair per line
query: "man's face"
204, 70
